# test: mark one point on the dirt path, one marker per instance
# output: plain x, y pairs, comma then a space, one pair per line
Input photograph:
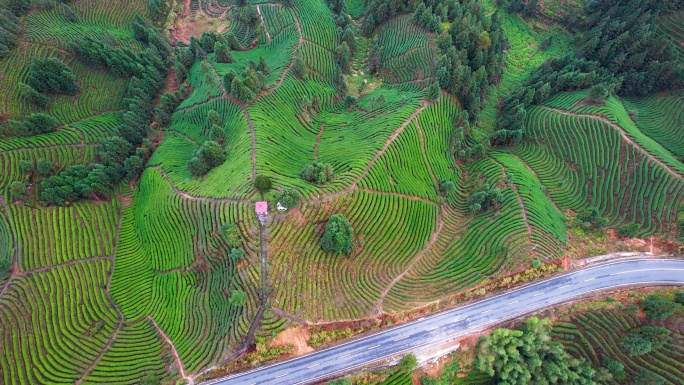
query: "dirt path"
365, 172
176, 357
252, 133
110, 340
622, 132
318, 142
263, 22
196, 198
65, 264
517, 193
418, 257
427, 161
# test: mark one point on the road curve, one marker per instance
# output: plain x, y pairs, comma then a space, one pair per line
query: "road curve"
461, 321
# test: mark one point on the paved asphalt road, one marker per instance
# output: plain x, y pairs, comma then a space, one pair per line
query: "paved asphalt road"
462, 321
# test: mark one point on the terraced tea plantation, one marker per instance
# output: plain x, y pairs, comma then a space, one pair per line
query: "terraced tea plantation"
129, 247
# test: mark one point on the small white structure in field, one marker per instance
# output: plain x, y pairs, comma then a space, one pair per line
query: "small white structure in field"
281, 208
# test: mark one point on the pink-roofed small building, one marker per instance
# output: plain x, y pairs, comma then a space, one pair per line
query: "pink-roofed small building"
261, 207
261, 211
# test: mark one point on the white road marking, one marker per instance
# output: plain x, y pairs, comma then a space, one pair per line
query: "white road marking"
511, 303
431, 329
538, 294
282, 375
640, 270
458, 319
373, 347
589, 279
401, 338
346, 355
564, 286
487, 311
312, 366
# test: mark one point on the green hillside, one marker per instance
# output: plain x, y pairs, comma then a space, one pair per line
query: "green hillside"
458, 140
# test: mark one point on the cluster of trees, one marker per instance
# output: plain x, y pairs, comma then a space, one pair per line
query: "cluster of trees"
317, 172
470, 53
620, 52
338, 235
554, 76
622, 37
645, 340
590, 220
528, 356
379, 11
346, 41
10, 12
466, 148
124, 154
658, 307
247, 86
51, 76
33, 125
209, 155
484, 198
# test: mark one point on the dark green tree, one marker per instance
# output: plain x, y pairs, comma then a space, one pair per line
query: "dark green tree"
262, 183
18, 190
289, 197
645, 339
408, 363
446, 187
529, 356
52, 76
208, 156
658, 307
27, 92
237, 298
338, 235
317, 172
231, 233
44, 167
483, 198
299, 68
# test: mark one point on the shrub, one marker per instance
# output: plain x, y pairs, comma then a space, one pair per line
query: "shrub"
447, 187
298, 67
645, 339
262, 183
658, 307
237, 298
590, 220
27, 92
317, 172
679, 297
208, 156
408, 362
627, 231
51, 75
231, 233
614, 366
289, 198
338, 235
44, 166
18, 189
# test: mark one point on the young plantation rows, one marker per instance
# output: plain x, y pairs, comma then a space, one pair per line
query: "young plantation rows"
99, 91
173, 265
586, 162
661, 118
598, 333
408, 52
